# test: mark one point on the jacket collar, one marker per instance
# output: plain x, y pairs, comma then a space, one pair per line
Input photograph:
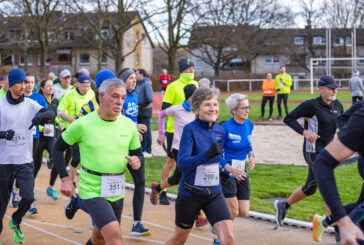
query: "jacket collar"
204, 124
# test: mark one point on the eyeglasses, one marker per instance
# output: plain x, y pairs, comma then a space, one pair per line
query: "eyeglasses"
244, 108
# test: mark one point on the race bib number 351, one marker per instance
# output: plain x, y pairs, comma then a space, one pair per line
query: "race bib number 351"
207, 175
112, 186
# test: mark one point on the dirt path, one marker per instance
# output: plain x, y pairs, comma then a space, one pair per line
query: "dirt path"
50, 226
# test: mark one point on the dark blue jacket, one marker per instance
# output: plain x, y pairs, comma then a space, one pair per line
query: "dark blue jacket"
197, 137
145, 93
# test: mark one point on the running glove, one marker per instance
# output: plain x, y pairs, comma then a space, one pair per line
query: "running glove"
8, 135
43, 114
214, 150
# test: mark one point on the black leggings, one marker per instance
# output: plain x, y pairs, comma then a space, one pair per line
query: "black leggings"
356, 98
138, 196
264, 101
45, 143
279, 101
176, 176
310, 186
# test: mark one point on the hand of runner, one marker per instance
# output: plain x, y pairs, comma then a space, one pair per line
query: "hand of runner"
60, 127
349, 232
239, 174
47, 130
67, 188
8, 135
133, 161
160, 140
251, 163
311, 137
141, 128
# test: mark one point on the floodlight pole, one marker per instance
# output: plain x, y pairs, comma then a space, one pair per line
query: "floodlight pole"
311, 75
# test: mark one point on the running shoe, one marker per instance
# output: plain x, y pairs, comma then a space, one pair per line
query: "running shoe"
281, 211
147, 154
212, 229
32, 209
70, 209
318, 227
18, 234
337, 238
52, 193
15, 197
139, 230
216, 242
201, 220
154, 194
163, 200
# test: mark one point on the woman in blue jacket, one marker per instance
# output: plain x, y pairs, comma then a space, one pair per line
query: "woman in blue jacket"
198, 160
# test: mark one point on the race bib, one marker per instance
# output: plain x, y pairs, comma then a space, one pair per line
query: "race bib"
112, 186
282, 85
240, 164
267, 91
164, 81
51, 127
207, 175
34, 130
18, 138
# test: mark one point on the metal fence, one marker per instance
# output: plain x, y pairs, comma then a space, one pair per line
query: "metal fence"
256, 84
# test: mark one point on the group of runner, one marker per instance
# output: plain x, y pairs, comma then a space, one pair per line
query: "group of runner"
211, 160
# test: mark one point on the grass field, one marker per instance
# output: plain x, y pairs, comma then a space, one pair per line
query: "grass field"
269, 181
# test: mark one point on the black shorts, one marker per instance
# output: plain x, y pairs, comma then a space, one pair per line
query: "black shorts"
103, 211
169, 137
187, 209
233, 188
174, 154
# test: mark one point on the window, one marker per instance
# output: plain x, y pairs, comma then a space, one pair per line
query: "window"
137, 37
137, 59
144, 38
298, 40
230, 49
348, 41
84, 59
271, 59
65, 58
69, 36
48, 60
104, 59
7, 59
338, 41
199, 64
319, 40
22, 60
361, 61
105, 33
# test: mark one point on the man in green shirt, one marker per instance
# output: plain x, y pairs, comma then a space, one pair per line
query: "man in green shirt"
5, 87
108, 142
283, 87
175, 95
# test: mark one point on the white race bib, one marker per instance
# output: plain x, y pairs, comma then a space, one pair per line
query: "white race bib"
19, 138
267, 91
282, 85
51, 127
240, 164
112, 186
207, 175
34, 130
164, 81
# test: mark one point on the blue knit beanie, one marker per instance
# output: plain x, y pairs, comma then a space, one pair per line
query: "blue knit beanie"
102, 76
184, 64
16, 75
84, 79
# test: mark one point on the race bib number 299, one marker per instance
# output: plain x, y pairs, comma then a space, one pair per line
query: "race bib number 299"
207, 175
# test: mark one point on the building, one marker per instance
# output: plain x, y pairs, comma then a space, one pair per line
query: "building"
74, 44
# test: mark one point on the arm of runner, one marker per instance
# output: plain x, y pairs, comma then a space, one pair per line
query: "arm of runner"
42, 115
349, 232
135, 158
161, 133
251, 159
165, 105
239, 174
141, 128
311, 137
305, 109
63, 115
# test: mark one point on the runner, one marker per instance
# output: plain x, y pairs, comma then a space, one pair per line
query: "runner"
182, 115
63, 86
5, 86
319, 129
102, 179
348, 141
138, 175
237, 148
16, 115
174, 96
68, 108
198, 160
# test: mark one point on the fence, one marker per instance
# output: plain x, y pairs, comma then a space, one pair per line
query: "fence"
256, 84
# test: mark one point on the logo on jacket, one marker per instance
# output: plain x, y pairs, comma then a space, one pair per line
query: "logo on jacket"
132, 110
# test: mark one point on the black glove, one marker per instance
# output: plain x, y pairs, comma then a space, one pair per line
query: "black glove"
43, 114
8, 135
36, 121
214, 150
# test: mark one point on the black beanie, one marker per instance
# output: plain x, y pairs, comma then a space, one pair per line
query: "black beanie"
184, 64
189, 89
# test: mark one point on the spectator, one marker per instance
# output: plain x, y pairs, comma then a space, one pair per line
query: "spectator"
164, 79
268, 94
84, 71
52, 76
356, 87
5, 85
204, 83
283, 87
145, 98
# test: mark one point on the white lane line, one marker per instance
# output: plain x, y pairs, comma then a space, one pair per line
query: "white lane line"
143, 239
48, 232
146, 222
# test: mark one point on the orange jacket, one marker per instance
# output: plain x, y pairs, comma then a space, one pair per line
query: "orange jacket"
268, 87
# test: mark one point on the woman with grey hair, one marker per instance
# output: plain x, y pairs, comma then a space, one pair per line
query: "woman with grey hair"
204, 82
237, 152
198, 160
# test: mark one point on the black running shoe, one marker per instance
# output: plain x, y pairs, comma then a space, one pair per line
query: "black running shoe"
163, 200
281, 211
70, 209
337, 238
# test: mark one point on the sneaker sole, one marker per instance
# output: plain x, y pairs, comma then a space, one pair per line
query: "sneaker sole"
65, 207
315, 228
134, 233
276, 207
52, 197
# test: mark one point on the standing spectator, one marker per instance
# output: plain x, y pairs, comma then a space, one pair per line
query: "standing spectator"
356, 87
145, 93
164, 79
5, 86
63, 86
268, 95
204, 83
283, 87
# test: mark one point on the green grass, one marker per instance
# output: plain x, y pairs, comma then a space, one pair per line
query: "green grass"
269, 181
